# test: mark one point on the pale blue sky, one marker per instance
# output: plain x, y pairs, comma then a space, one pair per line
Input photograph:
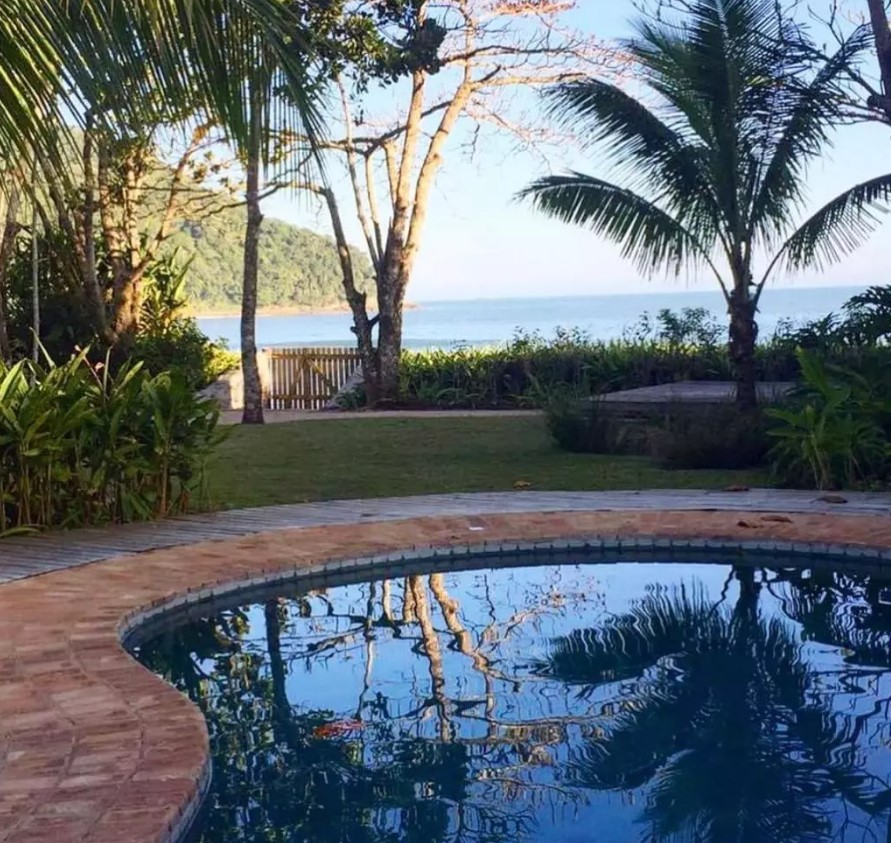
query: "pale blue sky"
480, 243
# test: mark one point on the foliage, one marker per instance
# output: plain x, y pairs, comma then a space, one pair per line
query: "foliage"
298, 268
168, 340
835, 433
691, 326
718, 437
83, 444
865, 321
578, 424
525, 371
66, 321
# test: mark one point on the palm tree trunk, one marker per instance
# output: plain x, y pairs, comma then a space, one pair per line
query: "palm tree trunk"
743, 335
35, 284
253, 389
8, 235
274, 649
880, 25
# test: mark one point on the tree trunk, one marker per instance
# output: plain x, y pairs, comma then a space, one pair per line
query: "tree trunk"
35, 283
128, 302
743, 335
391, 293
7, 249
363, 327
880, 26
253, 389
91, 276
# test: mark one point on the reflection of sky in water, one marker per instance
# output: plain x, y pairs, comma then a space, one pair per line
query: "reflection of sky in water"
538, 733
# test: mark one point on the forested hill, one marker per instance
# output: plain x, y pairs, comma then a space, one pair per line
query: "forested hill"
298, 268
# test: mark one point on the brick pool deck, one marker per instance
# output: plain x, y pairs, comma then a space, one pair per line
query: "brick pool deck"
93, 747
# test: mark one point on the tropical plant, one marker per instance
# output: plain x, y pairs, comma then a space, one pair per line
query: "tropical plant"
578, 423
240, 64
85, 444
59, 59
832, 436
714, 173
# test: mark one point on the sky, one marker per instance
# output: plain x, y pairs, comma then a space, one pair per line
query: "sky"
481, 243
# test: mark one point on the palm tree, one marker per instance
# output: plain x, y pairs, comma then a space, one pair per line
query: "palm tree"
242, 63
713, 173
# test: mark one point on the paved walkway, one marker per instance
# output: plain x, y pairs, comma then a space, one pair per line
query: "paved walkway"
285, 416
29, 556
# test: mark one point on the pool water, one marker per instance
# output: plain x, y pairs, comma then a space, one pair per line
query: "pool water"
576, 702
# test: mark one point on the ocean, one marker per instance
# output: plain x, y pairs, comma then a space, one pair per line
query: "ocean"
444, 324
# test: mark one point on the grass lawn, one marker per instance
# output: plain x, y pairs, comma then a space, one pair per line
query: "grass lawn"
366, 458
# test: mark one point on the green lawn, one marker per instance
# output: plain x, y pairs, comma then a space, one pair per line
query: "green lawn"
366, 458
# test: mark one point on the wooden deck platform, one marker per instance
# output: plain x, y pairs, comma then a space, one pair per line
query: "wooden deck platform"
658, 398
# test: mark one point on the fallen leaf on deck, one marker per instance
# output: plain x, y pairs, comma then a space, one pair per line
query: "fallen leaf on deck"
737, 489
777, 519
832, 499
522, 484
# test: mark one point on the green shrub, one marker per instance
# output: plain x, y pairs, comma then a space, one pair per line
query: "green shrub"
86, 444
835, 432
524, 371
578, 425
713, 437
184, 349
170, 341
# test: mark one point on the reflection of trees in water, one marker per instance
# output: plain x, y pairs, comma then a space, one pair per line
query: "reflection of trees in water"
709, 708
850, 610
718, 718
275, 778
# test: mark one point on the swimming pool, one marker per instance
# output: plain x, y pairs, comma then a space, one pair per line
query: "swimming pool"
537, 698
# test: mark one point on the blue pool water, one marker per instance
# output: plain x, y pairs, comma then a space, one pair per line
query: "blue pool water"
618, 703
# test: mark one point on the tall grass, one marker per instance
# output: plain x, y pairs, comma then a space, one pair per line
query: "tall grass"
80, 444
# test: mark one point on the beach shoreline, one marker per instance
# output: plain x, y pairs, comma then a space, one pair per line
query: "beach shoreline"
285, 310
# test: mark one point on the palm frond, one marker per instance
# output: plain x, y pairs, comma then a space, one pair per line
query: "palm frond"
802, 114
838, 228
647, 152
119, 61
648, 235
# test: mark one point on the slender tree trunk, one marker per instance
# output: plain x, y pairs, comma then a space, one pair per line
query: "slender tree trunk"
743, 335
7, 249
357, 300
274, 649
35, 283
91, 277
253, 389
882, 29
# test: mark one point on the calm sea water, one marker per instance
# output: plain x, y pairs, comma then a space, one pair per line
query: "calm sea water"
489, 321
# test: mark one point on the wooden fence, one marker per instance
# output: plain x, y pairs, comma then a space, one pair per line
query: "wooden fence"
307, 378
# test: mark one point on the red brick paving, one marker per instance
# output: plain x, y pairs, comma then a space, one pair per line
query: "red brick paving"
93, 747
